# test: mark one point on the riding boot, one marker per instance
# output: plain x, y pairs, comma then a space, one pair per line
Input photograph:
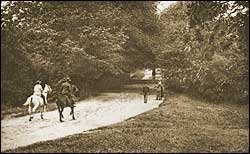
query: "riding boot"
45, 102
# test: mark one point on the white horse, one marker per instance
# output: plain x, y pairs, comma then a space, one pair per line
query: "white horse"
47, 90
36, 101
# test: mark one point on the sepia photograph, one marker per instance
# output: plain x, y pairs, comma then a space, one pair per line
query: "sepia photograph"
124, 77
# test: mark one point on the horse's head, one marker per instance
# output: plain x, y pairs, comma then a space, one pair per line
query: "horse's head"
47, 89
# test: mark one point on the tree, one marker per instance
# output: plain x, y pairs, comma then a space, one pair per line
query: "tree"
86, 40
204, 51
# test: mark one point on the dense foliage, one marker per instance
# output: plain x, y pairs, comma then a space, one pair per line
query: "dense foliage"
205, 49
203, 46
96, 43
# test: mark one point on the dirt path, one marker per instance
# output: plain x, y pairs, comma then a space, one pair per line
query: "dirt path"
106, 109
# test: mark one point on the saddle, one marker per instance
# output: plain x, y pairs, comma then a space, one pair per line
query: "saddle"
70, 100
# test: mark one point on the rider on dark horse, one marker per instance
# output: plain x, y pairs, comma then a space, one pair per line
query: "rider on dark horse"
67, 89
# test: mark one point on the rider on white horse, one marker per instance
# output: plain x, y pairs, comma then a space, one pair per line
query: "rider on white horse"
38, 99
38, 90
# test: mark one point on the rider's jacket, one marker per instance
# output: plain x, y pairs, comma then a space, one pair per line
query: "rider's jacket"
66, 88
38, 89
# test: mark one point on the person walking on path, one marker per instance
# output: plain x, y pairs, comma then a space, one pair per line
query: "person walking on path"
159, 90
145, 91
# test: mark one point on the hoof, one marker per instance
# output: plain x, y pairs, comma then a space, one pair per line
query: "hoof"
61, 121
41, 117
31, 118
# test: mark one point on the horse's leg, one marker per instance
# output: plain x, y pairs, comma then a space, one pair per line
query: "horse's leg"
62, 112
30, 109
35, 107
41, 111
45, 103
44, 108
30, 113
59, 111
72, 110
72, 105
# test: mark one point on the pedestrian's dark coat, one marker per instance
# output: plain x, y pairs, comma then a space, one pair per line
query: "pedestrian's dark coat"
145, 89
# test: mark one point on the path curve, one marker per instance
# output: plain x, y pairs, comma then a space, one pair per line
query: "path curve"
103, 110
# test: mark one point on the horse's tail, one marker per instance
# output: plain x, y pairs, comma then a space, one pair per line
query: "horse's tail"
28, 101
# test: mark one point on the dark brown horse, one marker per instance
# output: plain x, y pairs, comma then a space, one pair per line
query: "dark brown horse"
62, 101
